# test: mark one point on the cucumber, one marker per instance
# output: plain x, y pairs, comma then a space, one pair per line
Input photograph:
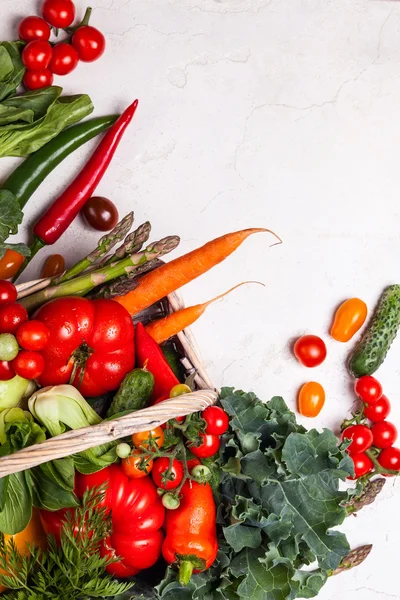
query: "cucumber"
134, 393
174, 360
371, 350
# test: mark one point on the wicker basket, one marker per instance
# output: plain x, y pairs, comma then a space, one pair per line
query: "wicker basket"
78, 440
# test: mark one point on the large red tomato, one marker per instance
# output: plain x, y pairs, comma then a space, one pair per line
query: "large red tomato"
94, 337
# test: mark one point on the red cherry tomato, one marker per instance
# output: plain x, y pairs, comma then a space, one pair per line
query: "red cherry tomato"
362, 465
385, 434
361, 437
389, 458
8, 293
35, 80
6, 370
33, 28
33, 335
11, 316
59, 13
89, 42
131, 466
378, 411
29, 365
310, 350
368, 389
161, 468
100, 213
217, 420
209, 446
65, 59
37, 55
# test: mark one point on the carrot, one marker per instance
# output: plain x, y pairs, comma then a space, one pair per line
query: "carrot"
169, 277
163, 329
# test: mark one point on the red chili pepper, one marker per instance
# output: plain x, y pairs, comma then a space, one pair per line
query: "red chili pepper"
191, 539
149, 354
66, 207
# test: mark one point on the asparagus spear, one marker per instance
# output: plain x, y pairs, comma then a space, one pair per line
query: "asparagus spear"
123, 285
80, 286
367, 496
132, 244
104, 245
353, 559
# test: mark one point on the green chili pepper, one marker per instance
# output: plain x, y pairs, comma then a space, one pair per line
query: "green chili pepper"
26, 178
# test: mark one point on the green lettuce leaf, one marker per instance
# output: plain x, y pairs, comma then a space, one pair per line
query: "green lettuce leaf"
17, 509
11, 68
10, 217
51, 113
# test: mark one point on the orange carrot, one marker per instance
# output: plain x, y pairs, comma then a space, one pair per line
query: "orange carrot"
169, 277
163, 329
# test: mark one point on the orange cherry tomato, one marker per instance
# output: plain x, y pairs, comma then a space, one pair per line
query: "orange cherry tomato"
141, 439
130, 466
349, 318
311, 399
10, 264
54, 265
33, 534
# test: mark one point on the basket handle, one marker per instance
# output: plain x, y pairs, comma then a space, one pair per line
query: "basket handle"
78, 440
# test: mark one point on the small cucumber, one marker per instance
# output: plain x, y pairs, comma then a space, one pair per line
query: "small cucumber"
134, 393
174, 360
371, 350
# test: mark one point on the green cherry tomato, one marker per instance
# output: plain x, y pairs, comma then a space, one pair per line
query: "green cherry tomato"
170, 501
8, 346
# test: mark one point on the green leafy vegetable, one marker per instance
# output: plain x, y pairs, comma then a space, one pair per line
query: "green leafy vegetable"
73, 570
63, 406
10, 217
48, 486
279, 501
11, 68
30, 120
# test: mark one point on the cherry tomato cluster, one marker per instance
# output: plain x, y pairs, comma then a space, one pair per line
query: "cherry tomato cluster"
371, 447
310, 351
20, 339
167, 472
43, 59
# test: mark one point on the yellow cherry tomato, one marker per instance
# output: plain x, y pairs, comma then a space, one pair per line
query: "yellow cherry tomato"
349, 318
179, 390
142, 438
311, 399
10, 264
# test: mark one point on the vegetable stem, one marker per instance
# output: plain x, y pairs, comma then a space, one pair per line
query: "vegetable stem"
378, 468
185, 571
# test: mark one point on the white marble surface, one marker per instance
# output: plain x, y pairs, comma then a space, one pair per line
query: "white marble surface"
275, 113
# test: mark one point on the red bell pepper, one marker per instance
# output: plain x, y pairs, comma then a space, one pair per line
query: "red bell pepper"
191, 530
94, 337
137, 517
150, 355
